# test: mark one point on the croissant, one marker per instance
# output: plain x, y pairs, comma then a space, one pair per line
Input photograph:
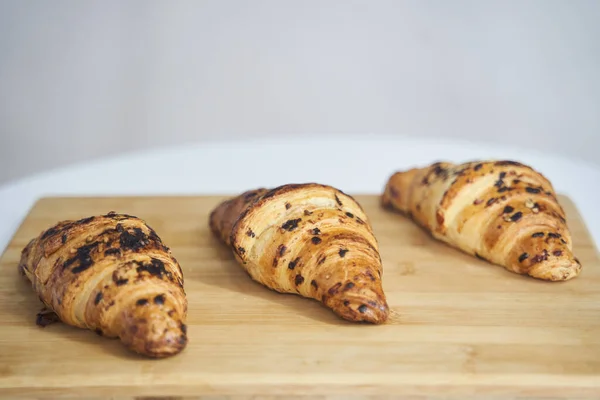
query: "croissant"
500, 211
307, 239
111, 274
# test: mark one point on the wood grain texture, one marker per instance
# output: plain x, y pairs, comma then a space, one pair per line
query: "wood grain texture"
460, 326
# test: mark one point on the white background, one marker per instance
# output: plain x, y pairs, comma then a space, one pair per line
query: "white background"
86, 79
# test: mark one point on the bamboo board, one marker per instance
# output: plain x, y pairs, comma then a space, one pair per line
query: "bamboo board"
460, 326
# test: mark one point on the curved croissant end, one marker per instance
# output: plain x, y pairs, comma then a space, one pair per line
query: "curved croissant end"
113, 275
309, 239
502, 211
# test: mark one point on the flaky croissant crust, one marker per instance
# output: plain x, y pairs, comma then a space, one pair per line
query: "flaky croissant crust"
308, 239
501, 211
111, 274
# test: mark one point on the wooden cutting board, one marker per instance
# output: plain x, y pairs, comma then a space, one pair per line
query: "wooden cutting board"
460, 326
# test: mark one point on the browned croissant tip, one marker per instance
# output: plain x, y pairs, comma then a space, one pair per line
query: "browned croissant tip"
552, 270
155, 333
360, 299
374, 312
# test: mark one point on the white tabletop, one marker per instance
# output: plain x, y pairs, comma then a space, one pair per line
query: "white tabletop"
353, 164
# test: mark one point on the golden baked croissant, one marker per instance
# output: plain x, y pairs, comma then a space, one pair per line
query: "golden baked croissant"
501, 211
111, 274
308, 239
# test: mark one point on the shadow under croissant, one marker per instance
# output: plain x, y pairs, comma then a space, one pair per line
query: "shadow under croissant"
236, 279
28, 310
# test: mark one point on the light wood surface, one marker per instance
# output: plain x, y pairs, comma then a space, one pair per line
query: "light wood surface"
460, 326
